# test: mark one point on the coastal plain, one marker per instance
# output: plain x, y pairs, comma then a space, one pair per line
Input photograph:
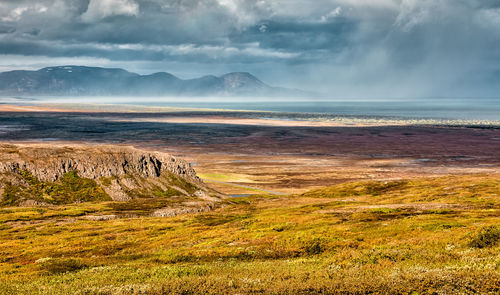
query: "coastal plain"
311, 205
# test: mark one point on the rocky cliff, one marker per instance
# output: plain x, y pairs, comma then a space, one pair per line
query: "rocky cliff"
75, 173
48, 163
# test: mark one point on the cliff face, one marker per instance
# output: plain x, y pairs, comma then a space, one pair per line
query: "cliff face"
48, 163
65, 174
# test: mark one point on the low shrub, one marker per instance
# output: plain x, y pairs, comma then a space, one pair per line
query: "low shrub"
488, 236
55, 266
314, 246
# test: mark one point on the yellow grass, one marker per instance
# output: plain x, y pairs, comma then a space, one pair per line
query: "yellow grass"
405, 237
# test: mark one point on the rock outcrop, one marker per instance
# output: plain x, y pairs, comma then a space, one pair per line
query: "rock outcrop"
44, 173
48, 163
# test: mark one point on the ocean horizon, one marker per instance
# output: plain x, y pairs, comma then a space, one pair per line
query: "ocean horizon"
484, 109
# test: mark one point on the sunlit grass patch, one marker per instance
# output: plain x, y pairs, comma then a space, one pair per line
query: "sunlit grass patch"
474, 190
225, 177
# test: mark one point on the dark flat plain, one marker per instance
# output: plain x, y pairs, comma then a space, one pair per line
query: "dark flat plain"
281, 158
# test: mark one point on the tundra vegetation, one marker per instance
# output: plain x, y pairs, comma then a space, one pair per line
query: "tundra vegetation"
418, 236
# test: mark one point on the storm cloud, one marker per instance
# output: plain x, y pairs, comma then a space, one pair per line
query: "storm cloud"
346, 48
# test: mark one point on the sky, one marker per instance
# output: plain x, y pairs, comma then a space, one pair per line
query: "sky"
343, 48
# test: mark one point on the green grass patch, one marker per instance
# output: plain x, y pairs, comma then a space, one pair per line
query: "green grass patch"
70, 188
181, 183
169, 192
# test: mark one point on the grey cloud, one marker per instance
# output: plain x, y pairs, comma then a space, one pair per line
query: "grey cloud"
125, 52
299, 36
344, 47
5, 29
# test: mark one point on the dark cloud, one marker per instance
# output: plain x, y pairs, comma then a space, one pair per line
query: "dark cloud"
344, 47
330, 36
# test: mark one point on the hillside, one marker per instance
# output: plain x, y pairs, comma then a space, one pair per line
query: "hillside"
414, 236
94, 81
43, 175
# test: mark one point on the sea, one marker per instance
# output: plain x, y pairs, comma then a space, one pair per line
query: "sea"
474, 109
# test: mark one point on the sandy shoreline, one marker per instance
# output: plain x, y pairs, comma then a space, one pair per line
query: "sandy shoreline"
23, 108
244, 121
187, 119
154, 114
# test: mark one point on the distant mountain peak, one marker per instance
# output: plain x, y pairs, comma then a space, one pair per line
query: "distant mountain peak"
240, 74
70, 80
241, 79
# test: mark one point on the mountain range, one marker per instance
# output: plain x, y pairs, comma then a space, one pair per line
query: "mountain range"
96, 81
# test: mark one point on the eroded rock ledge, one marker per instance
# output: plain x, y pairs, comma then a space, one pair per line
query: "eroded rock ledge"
35, 174
49, 163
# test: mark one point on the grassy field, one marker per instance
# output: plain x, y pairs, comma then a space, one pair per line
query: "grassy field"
419, 236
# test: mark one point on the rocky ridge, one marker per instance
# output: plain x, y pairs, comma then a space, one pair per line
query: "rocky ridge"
48, 163
40, 173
